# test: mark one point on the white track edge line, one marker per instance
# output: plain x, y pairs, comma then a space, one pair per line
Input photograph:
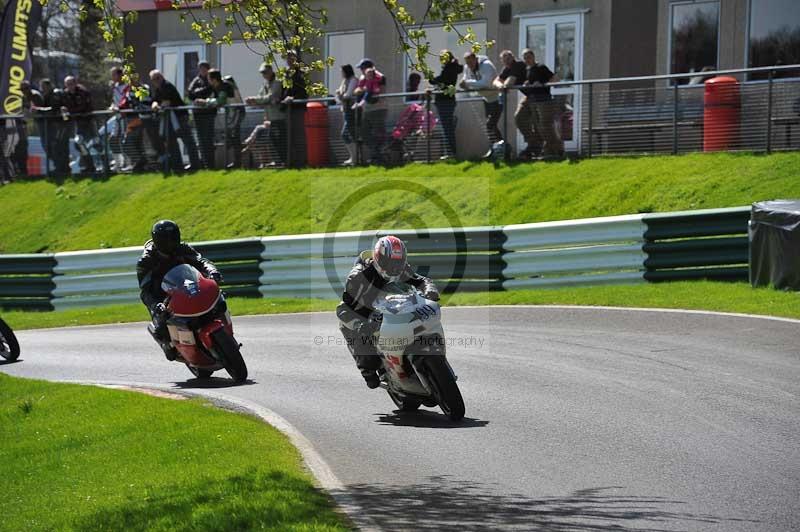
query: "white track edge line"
581, 307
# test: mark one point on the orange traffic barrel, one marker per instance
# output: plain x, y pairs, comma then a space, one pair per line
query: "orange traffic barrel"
721, 103
316, 124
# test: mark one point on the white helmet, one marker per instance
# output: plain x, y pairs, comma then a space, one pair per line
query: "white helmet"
389, 256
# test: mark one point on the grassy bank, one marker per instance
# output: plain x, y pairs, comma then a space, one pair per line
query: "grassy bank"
77, 458
700, 295
88, 214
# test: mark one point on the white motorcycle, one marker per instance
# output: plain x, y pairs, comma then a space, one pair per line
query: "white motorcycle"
411, 344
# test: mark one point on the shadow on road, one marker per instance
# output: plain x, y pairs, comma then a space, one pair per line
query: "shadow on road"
212, 382
4, 362
427, 419
445, 504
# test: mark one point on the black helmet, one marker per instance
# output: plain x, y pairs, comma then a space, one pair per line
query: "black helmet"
166, 236
389, 256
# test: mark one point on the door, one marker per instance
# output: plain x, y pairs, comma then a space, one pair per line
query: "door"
179, 64
557, 42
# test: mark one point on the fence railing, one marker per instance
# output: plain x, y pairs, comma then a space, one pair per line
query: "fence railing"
708, 244
653, 114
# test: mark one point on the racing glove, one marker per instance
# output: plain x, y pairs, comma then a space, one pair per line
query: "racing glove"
433, 295
158, 310
217, 277
367, 327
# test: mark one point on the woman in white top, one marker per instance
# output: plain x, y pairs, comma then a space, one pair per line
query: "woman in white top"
344, 95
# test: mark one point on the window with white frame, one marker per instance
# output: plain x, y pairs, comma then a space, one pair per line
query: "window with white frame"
178, 63
694, 37
774, 36
440, 39
347, 48
242, 61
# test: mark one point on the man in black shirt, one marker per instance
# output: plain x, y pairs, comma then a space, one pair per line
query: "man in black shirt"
204, 117
175, 124
225, 94
534, 114
54, 130
77, 101
513, 74
541, 107
297, 111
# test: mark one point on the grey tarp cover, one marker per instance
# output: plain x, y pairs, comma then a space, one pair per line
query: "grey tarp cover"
774, 233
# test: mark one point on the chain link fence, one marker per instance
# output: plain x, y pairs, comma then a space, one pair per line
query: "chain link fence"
642, 115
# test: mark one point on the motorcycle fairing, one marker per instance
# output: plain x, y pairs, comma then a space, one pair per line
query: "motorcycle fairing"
190, 293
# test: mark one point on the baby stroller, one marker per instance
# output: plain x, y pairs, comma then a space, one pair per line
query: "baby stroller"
413, 125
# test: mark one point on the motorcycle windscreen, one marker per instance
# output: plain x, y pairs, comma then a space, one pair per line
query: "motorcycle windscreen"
190, 293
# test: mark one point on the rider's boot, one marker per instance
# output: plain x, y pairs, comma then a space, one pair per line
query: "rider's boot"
158, 330
169, 351
371, 378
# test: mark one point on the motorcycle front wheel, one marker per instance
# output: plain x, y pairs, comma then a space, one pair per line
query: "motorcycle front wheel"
234, 363
9, 347
445, 387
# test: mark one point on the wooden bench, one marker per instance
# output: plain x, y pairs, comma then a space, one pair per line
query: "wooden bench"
645, 119
787, 122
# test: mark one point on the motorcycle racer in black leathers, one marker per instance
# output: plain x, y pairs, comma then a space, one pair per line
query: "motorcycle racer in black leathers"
386, 263
162, 253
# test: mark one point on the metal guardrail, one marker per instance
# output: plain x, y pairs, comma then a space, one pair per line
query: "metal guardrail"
708, 244
630, 115
711, 244
26, 281
83, 278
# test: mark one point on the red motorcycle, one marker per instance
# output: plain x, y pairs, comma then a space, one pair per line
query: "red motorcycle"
199, 324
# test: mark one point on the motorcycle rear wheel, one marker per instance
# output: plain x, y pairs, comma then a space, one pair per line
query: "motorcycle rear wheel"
404, 405
200, 373
9, 346
445, 387
229, 348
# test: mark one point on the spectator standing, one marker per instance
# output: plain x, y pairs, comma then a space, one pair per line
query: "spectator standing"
514, 73
373, 124
368, 85
412, 85
31, 100
296, 110
224, 93
115, 126
542, 112
479, 76
274, 125
55, 131
78, 103
145, 123
344, 95
445, 99
174, 123
8, 142
199, 90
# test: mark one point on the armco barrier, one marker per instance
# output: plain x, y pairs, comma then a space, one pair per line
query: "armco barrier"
574, 252
467, 259
26, 281
708, 244
88, 278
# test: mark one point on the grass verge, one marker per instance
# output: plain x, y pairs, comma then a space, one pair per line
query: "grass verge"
90, 214
84, 458
693, 295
